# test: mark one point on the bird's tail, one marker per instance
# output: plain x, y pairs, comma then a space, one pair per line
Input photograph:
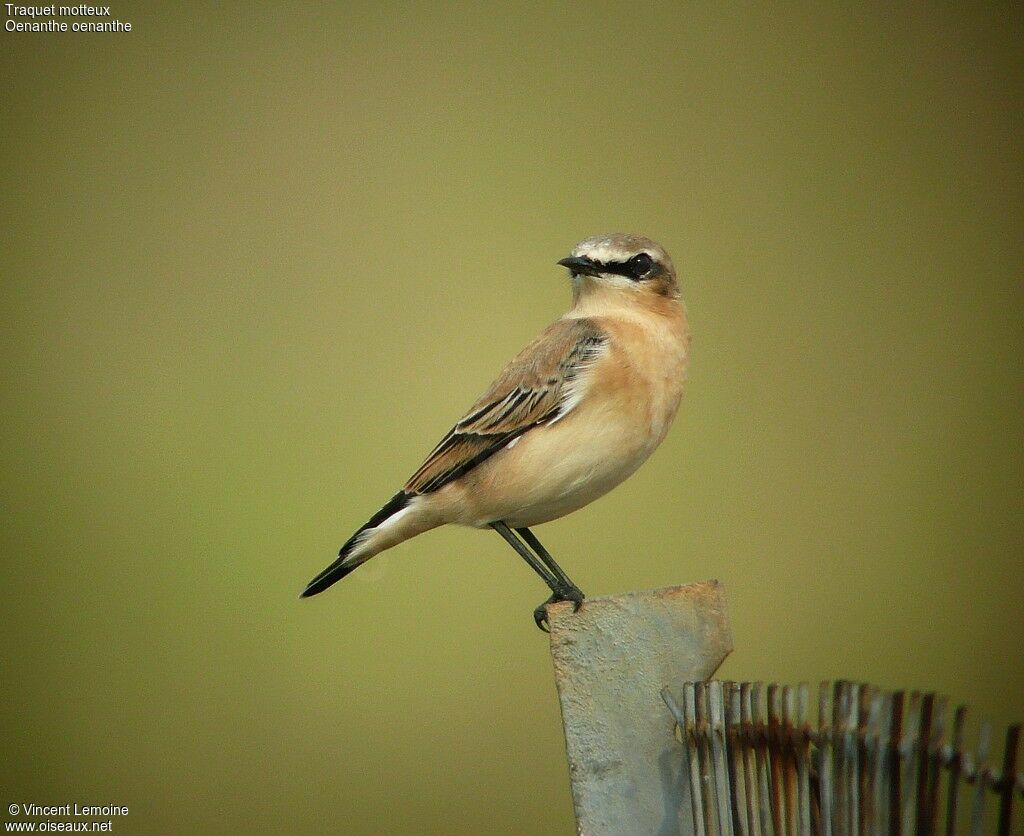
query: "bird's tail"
401, 518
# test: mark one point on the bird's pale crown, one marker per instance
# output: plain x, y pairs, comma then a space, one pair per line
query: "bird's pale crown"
620, 247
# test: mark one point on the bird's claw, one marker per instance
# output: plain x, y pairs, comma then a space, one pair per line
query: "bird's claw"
540, 615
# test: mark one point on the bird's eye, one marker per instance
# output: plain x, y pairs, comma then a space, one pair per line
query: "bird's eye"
640, 265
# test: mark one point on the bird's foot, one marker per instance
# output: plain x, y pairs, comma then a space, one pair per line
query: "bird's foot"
540, 615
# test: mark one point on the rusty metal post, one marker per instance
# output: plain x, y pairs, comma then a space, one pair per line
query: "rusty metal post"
612, 660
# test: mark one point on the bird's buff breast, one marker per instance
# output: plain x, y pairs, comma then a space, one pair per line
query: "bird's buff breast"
556, 469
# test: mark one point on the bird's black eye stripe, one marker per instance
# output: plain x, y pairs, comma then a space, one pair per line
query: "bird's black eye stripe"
636, 268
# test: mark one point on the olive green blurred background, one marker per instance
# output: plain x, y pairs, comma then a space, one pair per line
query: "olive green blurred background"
256, 259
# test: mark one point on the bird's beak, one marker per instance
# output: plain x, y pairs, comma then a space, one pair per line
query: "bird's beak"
580, 266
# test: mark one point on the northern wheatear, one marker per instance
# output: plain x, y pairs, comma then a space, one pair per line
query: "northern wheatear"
574, 414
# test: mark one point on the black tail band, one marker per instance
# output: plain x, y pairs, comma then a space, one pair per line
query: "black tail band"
337, 570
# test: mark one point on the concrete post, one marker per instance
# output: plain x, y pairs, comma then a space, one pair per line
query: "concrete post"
612, 659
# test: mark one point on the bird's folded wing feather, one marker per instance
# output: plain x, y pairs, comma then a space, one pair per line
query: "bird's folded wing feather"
543, 383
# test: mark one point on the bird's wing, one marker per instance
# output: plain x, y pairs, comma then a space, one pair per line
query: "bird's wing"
543, 383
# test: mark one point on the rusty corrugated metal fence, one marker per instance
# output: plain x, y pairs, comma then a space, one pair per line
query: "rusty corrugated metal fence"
762, 761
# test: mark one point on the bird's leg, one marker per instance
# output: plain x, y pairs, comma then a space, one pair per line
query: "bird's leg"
546, 574
561, 587
572, 592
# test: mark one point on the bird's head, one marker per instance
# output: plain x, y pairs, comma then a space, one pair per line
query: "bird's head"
623, 264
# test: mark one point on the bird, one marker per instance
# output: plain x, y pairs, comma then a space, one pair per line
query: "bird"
575, 413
